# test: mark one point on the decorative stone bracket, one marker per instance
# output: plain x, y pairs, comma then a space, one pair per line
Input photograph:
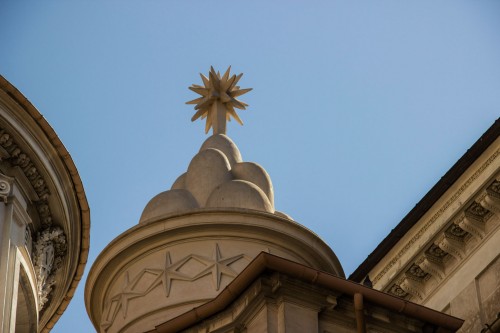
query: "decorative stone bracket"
432, 266
451, 245
471, 224
453, 242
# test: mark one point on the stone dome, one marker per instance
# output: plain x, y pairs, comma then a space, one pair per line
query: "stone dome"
216, 177
197, 237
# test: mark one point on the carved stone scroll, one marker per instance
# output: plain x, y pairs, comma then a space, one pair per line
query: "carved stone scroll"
5, 187
491, 201
471, 224
434, 267
451, 245
413, 287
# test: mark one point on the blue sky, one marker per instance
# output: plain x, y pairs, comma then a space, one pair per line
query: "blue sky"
358, 108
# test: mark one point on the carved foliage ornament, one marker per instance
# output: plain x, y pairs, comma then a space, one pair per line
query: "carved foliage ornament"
456, 232
415, 272
494, 188
478, 212
436, 253
396, 290
18, 158
49, 249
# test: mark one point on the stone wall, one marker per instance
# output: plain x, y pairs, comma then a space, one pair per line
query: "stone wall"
479, 302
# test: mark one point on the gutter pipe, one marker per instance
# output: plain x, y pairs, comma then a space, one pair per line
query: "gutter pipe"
359, 312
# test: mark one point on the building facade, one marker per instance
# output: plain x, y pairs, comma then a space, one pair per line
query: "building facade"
44, 219
445, 254
212, 254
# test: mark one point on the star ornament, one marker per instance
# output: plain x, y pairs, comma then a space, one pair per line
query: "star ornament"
218, 100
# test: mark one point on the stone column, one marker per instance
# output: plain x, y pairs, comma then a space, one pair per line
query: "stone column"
13, 222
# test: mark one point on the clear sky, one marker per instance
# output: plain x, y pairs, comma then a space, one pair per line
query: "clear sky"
358, 108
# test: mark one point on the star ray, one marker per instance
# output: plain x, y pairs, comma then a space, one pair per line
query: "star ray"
240, 92
199, 90
198, 114
233, 113
237, 78
196, 101
205, 80
237, 104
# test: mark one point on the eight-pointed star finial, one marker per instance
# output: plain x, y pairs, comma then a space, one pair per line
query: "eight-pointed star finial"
218, 101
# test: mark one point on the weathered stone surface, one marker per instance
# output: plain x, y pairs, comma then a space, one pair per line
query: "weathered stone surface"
466, 306
239, 193
208, 169
225, 145
489, 287
255, 174
168, 202
172, 264
180, 183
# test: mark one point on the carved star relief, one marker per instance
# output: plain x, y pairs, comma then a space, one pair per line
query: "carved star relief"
217, 266
126, 294
165, 276
218, 101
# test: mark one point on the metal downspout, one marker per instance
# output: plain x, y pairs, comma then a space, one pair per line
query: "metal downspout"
359, 313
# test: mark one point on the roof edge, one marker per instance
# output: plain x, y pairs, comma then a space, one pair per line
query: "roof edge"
268, 261
436, 192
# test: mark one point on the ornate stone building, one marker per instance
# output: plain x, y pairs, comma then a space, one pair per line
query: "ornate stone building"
212, 254
445, 254
44, 219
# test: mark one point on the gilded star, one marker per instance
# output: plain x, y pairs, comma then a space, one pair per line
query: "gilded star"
217, 266
218, 101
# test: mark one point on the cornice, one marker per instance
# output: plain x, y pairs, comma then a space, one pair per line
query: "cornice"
436, 216
428, 201
458, 239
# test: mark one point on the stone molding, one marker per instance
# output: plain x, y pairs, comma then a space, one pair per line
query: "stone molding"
461, 236
318, 309
436, 216
50, 245
471, 225
16, 157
